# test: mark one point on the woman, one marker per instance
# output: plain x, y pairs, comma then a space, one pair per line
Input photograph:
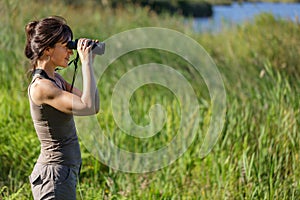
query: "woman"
52, 106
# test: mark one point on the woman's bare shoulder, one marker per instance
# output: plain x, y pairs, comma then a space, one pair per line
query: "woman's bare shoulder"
42, 89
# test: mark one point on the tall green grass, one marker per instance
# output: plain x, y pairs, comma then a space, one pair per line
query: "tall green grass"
257, 154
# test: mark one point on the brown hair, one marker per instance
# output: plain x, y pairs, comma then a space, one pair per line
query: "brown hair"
45, 33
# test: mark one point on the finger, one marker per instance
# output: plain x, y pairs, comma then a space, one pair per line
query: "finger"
89, 47
80, 43
84, 43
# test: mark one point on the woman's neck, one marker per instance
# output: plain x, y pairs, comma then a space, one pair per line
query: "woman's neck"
47, 68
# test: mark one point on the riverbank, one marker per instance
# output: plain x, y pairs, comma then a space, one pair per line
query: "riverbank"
228, 17
187, 8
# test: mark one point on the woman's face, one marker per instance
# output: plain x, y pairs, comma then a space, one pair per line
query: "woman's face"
61, 54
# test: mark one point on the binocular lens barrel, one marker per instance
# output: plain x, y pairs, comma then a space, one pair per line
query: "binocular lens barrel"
72, 44
98, 47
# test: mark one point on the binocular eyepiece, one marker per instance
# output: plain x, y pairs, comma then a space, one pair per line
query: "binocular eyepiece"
98, 47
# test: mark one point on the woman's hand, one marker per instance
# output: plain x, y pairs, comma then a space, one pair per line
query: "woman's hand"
84, 48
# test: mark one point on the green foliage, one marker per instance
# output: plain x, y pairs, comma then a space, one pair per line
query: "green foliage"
249, 47
257, 155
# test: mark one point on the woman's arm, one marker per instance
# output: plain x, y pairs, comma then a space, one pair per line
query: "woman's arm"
43, 91
75, 90
90, 94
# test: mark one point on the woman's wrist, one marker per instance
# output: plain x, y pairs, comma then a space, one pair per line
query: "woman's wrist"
86, 63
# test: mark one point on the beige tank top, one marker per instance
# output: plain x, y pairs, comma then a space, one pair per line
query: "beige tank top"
56, 132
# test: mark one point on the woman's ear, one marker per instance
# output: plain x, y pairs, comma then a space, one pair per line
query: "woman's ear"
48, 51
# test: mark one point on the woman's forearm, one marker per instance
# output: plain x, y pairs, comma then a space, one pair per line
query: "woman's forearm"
90, 95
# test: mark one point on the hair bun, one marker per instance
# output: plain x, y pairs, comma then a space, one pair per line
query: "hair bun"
30, 31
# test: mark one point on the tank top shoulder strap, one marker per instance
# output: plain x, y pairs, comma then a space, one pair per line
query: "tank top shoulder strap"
42, 74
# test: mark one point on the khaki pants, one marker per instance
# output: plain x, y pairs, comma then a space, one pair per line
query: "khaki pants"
54, 181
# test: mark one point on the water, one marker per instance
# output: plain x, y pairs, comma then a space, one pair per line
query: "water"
228, 16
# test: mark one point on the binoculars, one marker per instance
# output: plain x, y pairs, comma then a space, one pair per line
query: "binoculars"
98, 47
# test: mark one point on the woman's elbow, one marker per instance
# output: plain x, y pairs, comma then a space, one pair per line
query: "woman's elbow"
88, 110
93, 110
97, 104
97, 109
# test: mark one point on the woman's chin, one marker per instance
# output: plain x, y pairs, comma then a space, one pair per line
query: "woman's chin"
65, 65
